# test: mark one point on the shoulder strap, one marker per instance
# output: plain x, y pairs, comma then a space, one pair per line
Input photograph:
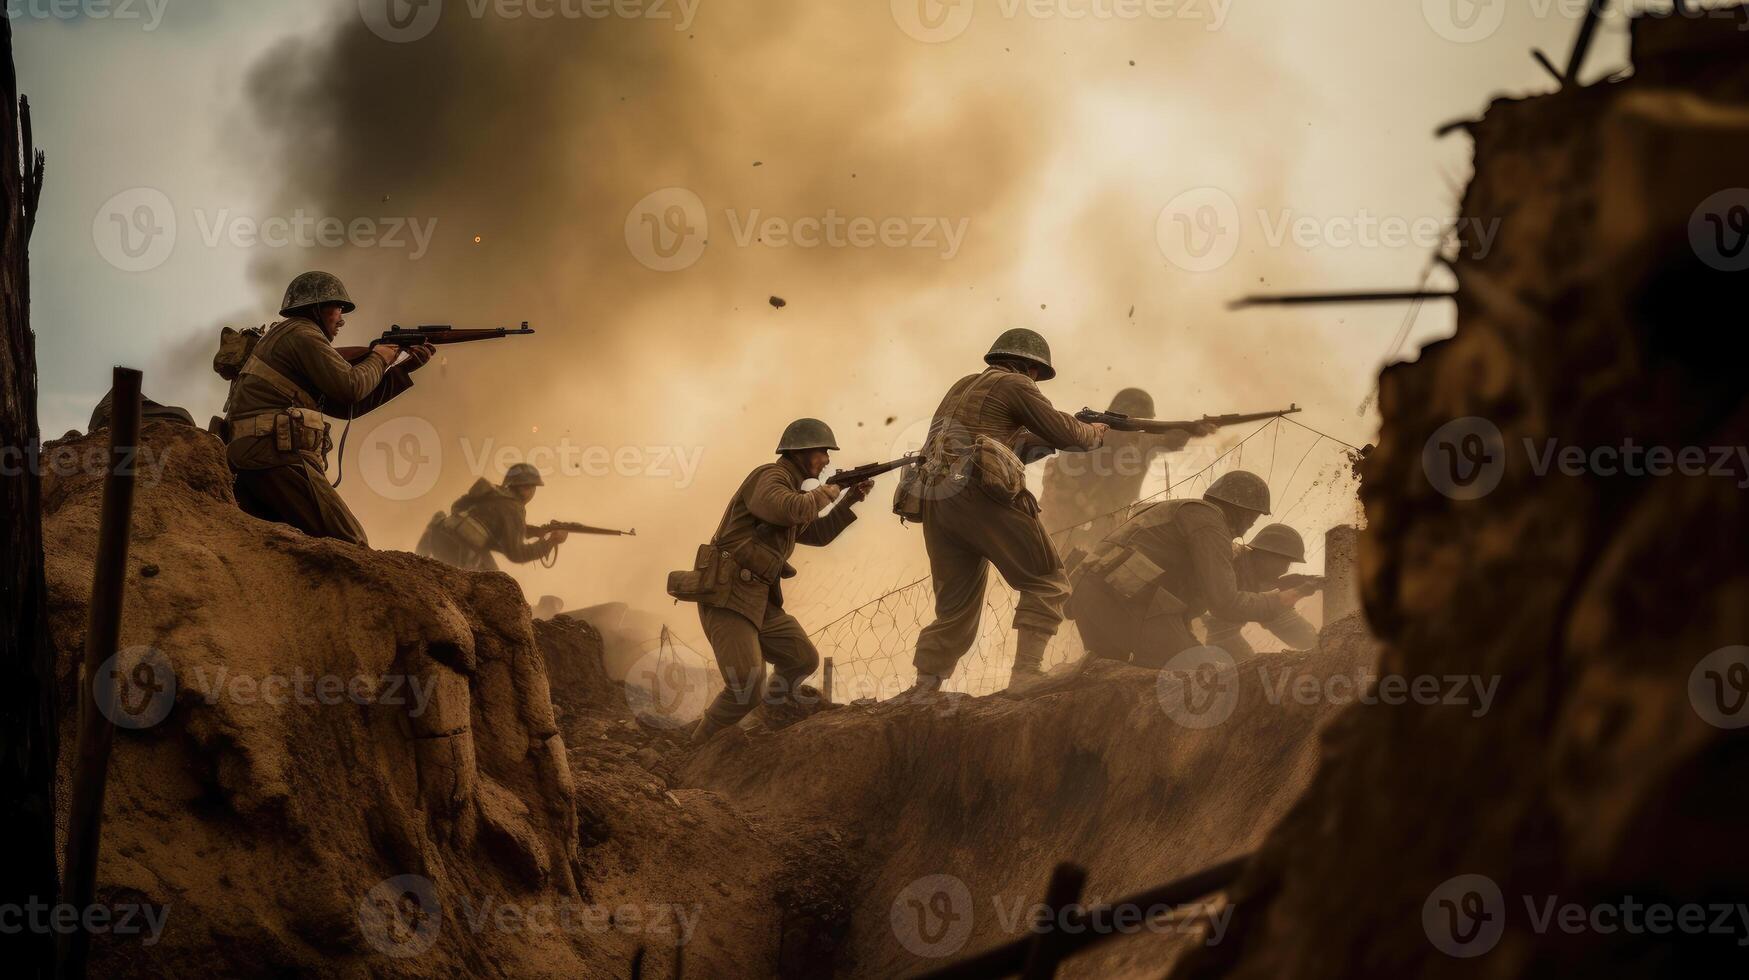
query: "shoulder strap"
256, 366
979, 384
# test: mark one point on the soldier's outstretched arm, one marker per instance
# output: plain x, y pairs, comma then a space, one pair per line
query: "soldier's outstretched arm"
1293, 629
1059, 430
335, 380
773, 502
1211, 555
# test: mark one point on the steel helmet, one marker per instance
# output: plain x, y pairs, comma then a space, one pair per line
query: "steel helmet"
1279, 539
523, 475
1026, 345
1134, 402
807, 434
1241, 489
315, 288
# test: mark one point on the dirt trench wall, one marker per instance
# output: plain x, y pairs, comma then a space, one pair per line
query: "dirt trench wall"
1609, 607
260, 815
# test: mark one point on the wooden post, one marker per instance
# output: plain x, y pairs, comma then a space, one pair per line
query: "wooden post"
1051, 943
28, 726
102, 641
826, 681
1341, 577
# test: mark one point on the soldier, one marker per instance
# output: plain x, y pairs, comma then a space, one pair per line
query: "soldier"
491, 518
1263, 561
1094, 490
1137, 593
742, 614
978, 512
277, 440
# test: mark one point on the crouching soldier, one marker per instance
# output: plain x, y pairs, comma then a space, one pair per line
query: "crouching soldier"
1256, 568
277, 441
491, 518
1137, 593
737, 578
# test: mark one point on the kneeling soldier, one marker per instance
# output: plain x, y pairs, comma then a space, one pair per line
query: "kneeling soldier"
1137, 593
1258, 565
737, 578
487, 519
277, 441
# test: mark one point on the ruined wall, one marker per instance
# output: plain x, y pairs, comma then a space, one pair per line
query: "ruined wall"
1610, 607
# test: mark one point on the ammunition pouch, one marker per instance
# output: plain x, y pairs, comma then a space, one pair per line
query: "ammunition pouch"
999, 470
908, 495
295, 430
466, 529
711, 577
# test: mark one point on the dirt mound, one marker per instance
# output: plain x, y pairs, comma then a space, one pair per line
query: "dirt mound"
1609, 605
319, 741
954, 809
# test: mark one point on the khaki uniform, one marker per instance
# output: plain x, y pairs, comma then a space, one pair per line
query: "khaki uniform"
744, 621
488, 518
975, 515
1287, 625
1089, 494
278, 440
1136, 595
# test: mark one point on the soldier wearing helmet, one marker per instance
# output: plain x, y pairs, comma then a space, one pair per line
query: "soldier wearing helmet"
491, 518
739, 574
277, 440
977, 511
1256, 567
1087, 495
1137, 593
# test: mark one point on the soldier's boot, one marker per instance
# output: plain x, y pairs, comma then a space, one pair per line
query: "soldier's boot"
706, 727
925, 684
1029, 657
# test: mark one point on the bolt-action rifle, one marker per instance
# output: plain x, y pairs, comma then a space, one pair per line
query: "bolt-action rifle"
437, 336
1124, 423
851, 477
575, 528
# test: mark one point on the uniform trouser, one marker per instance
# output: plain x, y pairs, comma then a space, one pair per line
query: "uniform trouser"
1116, 630
965, 533
298, 495
744, 649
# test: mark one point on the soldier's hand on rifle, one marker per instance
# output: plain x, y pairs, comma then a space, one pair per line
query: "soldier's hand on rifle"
558, 537
833, 491
1102, 429
859, 493
419, 356
387, 353
1290, 598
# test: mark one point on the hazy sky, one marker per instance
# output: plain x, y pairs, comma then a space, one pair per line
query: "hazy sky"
1110, 172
